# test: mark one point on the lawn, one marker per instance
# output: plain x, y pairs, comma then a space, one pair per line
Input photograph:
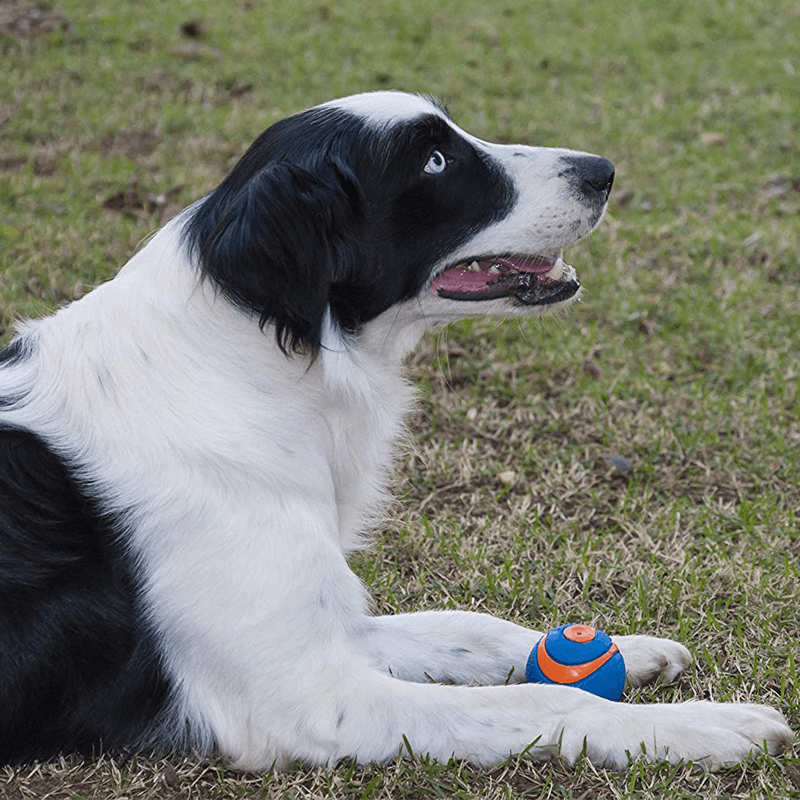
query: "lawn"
632, 464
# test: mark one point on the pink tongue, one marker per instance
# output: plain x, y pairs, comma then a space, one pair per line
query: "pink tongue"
460, 279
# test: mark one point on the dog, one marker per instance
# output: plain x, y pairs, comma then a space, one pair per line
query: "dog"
190, 453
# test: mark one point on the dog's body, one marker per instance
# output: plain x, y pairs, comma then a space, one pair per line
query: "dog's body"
189, 454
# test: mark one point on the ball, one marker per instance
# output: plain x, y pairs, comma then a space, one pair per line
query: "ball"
580, 656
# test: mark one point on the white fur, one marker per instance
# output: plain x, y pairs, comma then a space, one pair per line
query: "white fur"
382, 109
248, 477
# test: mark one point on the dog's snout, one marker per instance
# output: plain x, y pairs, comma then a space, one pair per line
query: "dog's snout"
591, 176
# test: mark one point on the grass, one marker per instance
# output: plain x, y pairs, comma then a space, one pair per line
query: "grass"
633, 464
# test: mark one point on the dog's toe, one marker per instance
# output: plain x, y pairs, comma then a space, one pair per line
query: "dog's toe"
649, 659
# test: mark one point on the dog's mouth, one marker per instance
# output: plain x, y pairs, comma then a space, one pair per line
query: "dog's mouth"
531, 280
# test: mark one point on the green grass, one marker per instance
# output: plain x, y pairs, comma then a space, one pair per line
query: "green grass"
682, 358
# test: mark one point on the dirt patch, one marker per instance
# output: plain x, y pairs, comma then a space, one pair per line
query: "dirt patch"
135, 202
23, 20
131, 142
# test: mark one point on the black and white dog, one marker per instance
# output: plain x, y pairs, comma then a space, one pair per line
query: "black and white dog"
189, 454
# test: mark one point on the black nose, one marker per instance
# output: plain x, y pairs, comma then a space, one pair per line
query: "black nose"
590, 176
598, 174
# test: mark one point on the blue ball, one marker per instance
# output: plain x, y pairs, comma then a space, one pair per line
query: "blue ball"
580, 656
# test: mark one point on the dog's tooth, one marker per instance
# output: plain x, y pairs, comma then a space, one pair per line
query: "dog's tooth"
474, 267
494, 270
557, 270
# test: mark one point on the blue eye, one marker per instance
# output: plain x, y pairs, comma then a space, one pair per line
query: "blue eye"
436, 163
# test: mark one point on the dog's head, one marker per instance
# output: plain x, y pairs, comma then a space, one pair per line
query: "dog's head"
362, 204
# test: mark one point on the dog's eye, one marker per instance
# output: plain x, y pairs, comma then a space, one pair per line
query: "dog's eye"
436, 163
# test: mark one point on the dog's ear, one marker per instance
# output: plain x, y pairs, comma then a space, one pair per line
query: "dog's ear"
273, 244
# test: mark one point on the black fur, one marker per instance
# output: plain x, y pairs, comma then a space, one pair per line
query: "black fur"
13, 354
79, 668
304, 220
16, 352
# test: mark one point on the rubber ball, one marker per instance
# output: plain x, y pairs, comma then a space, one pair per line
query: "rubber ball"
579, 656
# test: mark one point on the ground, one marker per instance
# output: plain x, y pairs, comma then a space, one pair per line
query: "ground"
631, 464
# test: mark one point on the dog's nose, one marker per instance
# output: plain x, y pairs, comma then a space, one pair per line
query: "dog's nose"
595, 175
590, 176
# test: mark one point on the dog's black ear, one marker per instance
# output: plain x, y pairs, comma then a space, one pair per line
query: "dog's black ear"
272, 245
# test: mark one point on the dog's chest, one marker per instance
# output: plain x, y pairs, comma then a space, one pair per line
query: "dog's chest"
364, 430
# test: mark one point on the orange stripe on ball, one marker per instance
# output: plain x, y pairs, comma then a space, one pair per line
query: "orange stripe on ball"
569, 673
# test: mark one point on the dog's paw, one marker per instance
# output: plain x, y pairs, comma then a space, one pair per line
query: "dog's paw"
649, 659
713, 735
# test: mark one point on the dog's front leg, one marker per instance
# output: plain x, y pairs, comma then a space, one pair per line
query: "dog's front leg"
449, 647
466, 647
358, 713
